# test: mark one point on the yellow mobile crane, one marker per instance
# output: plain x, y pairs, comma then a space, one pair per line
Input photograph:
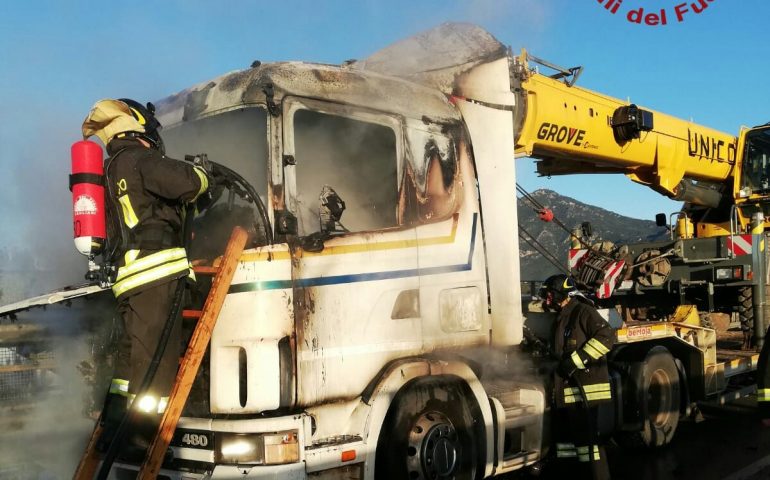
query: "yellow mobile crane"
574, 130
715, 257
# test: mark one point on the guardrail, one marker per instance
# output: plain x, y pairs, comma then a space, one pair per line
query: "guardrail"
530, 288
23, 372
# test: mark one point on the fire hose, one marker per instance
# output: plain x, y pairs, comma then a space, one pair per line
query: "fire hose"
130, 416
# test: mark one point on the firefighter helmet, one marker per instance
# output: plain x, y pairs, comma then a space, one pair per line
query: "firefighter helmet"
557, 288
145, 115
109, 118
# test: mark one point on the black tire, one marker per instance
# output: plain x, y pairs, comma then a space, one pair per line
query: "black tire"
659, 399
746, 309
429, 433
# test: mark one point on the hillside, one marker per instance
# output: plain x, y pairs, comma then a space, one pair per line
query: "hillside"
606, 226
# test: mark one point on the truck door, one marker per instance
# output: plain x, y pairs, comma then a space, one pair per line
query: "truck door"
355, 268
453, 290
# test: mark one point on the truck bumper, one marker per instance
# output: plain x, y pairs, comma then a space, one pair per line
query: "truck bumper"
294, 471
199, 454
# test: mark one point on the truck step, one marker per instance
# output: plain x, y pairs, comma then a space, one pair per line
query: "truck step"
522, 458
508, 393
519, 413
517, 416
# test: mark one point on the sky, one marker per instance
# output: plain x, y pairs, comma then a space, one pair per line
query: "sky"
58, 57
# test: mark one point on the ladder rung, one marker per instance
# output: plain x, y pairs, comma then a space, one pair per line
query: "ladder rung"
205, 270
192, 313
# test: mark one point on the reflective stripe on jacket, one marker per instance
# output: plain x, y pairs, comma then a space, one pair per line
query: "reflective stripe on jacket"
585, 338
165, 264
596, 391
763, 395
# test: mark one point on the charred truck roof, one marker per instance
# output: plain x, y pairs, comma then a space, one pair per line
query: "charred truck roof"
412, 78
341, 84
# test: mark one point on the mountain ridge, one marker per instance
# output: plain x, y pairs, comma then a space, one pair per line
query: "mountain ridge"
606, 224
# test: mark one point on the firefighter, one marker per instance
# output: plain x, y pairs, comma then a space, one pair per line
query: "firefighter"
581, 341
148, 193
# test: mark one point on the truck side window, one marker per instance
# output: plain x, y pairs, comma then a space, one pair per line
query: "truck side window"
356, 159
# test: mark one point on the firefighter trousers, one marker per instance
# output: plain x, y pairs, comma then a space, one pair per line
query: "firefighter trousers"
144, 316
578, 440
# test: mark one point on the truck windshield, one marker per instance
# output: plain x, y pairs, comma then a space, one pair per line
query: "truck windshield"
238, 140
756, 162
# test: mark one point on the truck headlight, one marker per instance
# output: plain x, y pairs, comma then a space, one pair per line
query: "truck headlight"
258, 449
729, 273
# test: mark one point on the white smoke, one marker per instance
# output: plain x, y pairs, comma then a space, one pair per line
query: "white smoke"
49, 410
515, 14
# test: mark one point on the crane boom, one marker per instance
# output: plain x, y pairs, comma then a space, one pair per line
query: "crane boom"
573, 130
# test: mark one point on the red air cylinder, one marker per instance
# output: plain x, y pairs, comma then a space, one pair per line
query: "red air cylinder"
87, 186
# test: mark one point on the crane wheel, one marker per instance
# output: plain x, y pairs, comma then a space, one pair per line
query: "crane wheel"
428, 433
746, 314
658, 399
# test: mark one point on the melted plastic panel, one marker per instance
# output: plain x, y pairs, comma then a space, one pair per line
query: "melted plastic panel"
238, 140
357, 159
430, 175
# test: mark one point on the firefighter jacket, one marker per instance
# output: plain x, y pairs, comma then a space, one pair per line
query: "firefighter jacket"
583, 337
149, 192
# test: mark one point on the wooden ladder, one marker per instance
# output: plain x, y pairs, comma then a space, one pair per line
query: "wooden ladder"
188, 369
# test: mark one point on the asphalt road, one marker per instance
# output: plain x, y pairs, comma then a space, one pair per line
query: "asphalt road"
729, 444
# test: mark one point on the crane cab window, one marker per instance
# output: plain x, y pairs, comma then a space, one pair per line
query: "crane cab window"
344, 162
755, 177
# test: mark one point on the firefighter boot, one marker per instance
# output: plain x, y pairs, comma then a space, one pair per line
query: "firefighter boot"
600, 468
139, 436
113, 412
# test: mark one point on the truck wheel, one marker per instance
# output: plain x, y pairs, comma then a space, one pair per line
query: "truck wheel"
428, 434
746, 312
658, 391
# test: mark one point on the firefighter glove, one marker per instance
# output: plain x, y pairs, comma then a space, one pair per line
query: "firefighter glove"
203, 166
566, 368
202, 160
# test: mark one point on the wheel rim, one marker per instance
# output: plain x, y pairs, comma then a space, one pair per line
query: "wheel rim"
433, 448
659, 399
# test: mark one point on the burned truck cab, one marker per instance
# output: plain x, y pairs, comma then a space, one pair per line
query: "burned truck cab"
367, 272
